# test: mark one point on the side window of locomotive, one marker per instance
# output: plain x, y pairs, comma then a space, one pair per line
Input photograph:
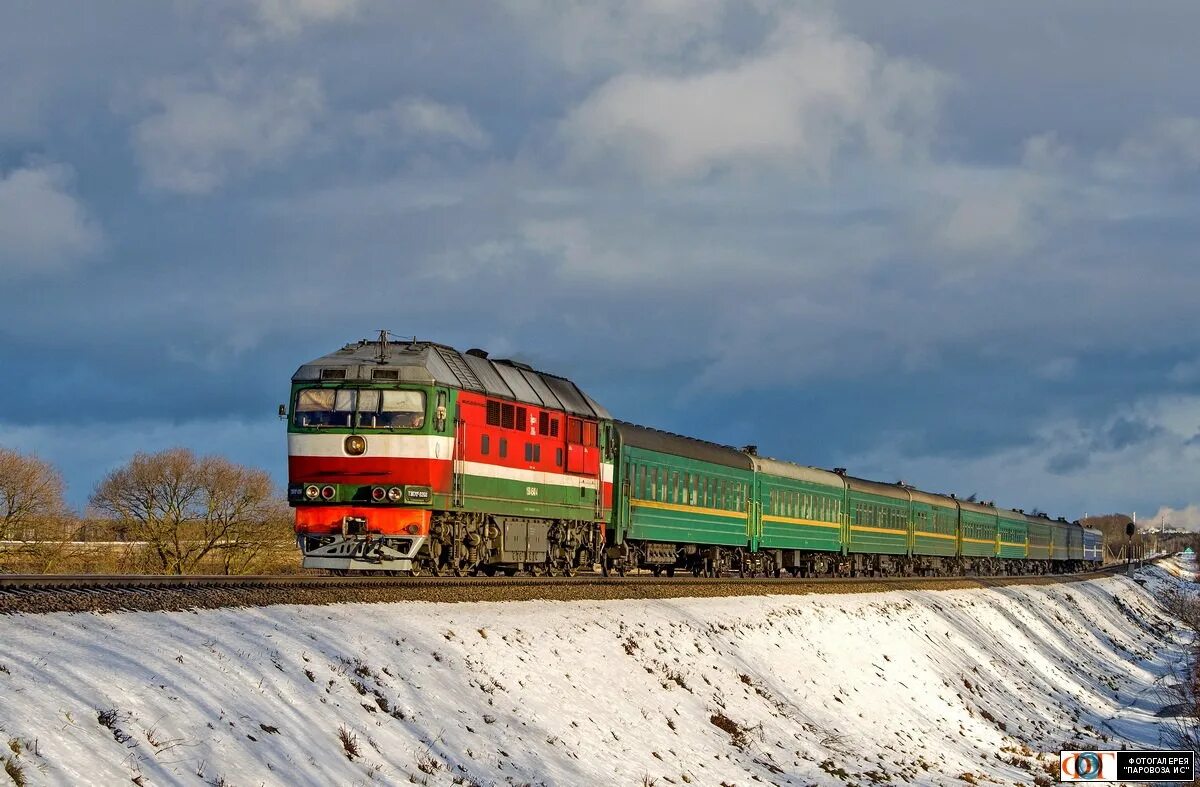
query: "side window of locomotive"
484, 444
558, 457
503, 447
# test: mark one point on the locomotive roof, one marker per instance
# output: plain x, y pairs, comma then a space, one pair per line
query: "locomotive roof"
689, 447
428, 363
782, 469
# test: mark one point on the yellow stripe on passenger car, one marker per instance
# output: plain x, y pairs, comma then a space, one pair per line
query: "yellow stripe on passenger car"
866, 529
635, 503
927, 534
790, 521
1013, 544
980, 540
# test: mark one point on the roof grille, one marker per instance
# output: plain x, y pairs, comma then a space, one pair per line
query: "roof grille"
460, 368
385, 374
333, 374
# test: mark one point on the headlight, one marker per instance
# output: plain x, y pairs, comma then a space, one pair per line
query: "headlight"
328, 492
355, 445
395, 494
378, 493
312, 492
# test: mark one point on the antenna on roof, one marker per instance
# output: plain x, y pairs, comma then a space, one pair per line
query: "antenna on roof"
382, 358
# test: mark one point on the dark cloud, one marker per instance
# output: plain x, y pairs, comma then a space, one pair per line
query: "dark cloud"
991, 238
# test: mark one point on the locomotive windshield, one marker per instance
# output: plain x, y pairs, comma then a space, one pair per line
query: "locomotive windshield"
364, 408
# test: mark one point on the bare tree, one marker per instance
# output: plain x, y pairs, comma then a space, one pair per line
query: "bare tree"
188, 509
31, 494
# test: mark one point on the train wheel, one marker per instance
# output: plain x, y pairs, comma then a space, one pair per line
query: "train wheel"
510, 571
670, 571
657, 570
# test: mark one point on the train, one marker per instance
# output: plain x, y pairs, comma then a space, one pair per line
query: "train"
411, 457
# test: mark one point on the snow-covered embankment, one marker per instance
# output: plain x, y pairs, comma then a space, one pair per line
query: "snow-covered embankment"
899, 687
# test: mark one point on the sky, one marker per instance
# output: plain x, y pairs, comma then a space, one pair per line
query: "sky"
950, 244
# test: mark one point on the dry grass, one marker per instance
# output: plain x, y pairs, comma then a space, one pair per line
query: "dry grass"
82, 557
349, 742
14, 771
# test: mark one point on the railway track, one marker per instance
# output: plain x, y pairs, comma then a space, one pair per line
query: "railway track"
33, 594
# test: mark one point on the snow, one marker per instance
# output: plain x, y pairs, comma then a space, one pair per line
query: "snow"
918, 687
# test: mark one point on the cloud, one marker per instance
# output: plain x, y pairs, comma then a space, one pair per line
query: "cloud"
418, 119
43, 228
1133, 457
200, 137
1164, 148
284, 19
810, 94
583, 36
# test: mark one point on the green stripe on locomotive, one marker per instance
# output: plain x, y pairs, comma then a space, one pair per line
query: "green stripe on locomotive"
511, 497
677, 495
798, 507
878, 517
1014, 532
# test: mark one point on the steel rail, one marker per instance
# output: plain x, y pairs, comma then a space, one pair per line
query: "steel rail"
65, 582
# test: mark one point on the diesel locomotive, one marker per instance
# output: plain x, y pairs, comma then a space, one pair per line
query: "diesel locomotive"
412, 457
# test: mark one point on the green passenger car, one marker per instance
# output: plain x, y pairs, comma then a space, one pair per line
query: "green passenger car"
1039, 537
680, 502
1013, 538
878, 517
977, 530
1058, 539
799, 514
935, 525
